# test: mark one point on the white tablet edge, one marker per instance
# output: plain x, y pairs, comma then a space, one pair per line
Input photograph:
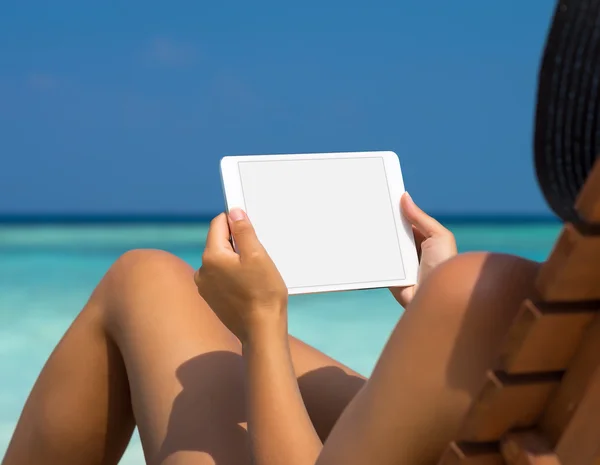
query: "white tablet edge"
234, 198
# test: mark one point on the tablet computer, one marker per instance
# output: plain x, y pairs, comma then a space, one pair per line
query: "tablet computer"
329, 221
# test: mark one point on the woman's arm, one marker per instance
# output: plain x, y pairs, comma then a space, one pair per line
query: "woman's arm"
248, 295
280, 430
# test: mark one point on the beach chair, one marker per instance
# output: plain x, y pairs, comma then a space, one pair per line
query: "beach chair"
541, 401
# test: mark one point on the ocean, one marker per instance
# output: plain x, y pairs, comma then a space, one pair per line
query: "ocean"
47, 273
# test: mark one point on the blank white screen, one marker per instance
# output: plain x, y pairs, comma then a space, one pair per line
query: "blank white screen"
326, 221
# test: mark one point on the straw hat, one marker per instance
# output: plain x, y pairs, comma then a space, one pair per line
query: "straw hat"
567, 122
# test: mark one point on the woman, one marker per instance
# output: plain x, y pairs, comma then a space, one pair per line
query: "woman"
147, 349
203, 365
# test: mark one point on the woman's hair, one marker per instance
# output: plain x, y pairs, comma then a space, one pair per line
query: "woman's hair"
567, 121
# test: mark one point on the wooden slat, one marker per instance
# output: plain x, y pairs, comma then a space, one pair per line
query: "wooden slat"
588, 201
528, 448
580, 442
471, 454
542, 340
567, 397
572, 273
507, 402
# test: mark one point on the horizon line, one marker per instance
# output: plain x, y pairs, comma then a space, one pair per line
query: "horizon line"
32, 219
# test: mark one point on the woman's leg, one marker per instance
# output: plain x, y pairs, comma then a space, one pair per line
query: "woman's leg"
146, 346
434, 363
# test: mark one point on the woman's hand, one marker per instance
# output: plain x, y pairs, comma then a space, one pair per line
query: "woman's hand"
435, 244
244, 289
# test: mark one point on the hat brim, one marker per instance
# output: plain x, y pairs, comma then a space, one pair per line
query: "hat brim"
567, 121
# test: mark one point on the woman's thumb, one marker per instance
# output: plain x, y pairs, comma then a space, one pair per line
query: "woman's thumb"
424, 223
243, 232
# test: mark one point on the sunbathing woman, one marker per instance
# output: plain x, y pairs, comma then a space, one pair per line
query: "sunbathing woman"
202, 362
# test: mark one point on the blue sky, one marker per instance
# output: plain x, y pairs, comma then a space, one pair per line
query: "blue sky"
126, 107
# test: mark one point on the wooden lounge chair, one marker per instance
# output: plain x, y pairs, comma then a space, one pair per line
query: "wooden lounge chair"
540, 403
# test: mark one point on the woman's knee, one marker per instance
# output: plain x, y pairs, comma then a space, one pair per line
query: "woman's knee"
143, 281
136, 271
479, 278
477, 295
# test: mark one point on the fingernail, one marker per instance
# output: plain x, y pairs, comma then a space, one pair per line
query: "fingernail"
237, 214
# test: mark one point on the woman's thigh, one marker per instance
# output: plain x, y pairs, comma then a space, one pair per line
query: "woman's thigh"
434, 363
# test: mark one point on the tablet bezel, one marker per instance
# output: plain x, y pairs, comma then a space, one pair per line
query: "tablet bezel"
234, 198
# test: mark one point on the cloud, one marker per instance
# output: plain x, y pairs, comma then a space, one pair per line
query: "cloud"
234, 93
42, 81
166, 52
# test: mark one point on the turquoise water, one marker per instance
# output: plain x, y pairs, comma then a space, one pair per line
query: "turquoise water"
47, 274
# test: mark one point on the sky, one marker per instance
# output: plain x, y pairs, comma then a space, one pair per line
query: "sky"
127, 107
